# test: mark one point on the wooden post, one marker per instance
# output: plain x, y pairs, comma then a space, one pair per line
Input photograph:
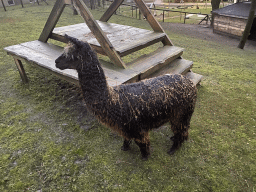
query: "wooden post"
111, 10
185, 18
3, 5
21, 70
45, 2
52, 20
248, 26
99, 34
163, 16
136, 12
152, 21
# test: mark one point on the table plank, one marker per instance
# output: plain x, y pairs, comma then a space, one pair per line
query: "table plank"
125, 39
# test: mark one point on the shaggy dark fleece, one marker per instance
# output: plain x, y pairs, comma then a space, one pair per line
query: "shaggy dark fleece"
132, 109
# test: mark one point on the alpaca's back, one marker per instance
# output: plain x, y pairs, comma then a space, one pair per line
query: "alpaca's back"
148, 104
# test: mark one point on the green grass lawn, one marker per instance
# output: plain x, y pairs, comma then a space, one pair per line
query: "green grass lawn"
49, 142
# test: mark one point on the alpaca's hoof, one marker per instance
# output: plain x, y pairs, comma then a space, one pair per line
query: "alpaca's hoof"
171, 152
123, 148
144, 158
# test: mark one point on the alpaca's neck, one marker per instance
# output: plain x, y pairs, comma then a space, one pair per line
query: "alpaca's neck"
93, 83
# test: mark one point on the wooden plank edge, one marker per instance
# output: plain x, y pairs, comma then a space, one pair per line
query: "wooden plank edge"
170, 69
65, 76
160, 65
122, 51
126, 50
59, 74
194, 77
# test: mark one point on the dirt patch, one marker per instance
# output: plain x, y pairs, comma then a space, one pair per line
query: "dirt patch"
205, 32
9, 20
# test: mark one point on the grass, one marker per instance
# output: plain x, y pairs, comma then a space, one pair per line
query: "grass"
49, 142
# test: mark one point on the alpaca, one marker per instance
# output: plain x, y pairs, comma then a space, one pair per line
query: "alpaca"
132, 109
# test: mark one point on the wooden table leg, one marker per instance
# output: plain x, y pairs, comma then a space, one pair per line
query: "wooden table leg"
21, 70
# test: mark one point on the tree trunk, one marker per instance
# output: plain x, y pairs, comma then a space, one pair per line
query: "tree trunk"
92, 4
215, 4
3, 5
21, 3
248, 26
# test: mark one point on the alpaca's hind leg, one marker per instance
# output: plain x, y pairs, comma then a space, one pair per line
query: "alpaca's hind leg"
180, 131
176, 142
126, 145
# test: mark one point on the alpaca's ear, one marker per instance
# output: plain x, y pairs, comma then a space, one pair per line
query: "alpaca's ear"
71, 39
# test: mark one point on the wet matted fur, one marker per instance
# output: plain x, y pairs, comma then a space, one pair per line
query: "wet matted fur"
132, 109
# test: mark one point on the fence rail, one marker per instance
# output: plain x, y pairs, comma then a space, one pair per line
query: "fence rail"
137, 14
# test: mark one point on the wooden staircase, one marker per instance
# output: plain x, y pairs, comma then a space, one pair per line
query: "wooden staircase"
125, 40
112, 40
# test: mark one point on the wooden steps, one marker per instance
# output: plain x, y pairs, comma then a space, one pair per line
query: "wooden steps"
125, 39
148, 64
164, 60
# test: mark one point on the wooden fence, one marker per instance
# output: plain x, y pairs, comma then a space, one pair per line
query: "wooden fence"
135, 13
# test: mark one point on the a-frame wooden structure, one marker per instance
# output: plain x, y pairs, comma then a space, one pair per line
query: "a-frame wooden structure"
112, 40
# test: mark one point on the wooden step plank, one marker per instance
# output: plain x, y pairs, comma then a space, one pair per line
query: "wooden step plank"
141, 42
194, 77
125, 39
52, 51
107, 27
148, 64
178, 66
48, 49
82, 32
45, 54
43, 60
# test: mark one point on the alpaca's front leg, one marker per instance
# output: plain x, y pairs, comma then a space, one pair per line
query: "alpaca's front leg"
126, 145
144, 149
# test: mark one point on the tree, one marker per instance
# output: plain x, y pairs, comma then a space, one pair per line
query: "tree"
248, 26
215, 4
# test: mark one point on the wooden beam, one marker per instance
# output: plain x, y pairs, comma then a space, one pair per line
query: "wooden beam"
99, 34
111, 10
52, 20
152, 21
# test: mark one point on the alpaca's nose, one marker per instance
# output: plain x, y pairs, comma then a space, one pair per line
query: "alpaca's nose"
57, 63
57, 60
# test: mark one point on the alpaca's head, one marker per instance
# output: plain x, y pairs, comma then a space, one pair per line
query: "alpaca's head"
76, 55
